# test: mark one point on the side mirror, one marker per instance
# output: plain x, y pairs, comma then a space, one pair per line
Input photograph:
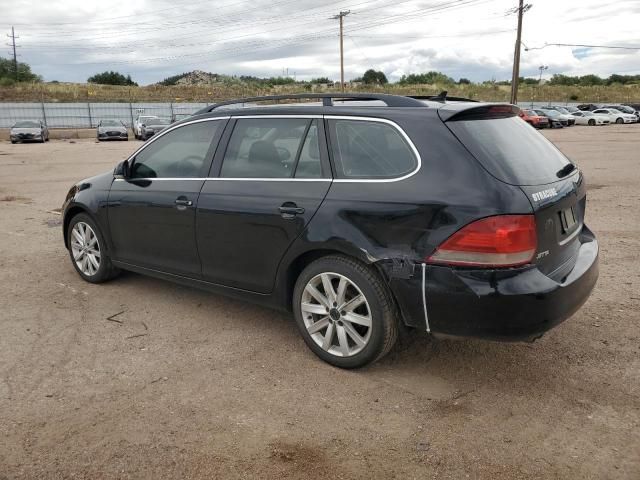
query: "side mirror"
121, 170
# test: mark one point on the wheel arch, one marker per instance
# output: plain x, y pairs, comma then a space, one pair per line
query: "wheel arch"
71, 212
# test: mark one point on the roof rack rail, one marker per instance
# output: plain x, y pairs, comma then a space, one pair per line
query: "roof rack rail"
442, 97
327, 99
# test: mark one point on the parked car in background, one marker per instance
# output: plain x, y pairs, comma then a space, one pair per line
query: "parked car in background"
451, 218
590, 118
29, 131
111, 130
616, 116
533, 119
624, 109
557, 119
570, 119
571, 109
588, 107
562, 110
152, 126
137, 124
553, 122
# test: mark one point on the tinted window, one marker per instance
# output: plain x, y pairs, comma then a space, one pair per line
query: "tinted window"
180, 153
365, 149
110, 123
264, 147
511, 150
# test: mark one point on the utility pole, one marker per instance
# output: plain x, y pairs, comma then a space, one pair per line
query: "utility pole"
515, 77
15, 57
340, 16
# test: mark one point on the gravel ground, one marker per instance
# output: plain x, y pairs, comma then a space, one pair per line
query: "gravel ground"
186, 384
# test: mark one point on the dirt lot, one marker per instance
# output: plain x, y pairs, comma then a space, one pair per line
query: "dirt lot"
186, 384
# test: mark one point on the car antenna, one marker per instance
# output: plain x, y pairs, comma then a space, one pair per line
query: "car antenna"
441, 97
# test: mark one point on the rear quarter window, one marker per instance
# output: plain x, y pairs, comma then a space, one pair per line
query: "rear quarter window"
364, 149
510, 149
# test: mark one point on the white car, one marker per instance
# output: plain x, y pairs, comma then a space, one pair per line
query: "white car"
590, 118
137, 125
616, 116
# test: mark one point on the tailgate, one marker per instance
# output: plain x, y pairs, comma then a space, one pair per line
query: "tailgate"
559, 210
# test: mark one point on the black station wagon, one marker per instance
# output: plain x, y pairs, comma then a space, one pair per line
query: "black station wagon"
360, 213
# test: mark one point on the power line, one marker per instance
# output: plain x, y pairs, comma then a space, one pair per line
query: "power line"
582, 45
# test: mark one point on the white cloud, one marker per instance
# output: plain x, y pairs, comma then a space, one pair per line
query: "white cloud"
69, 40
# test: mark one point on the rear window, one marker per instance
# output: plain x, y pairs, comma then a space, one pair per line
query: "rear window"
511, 150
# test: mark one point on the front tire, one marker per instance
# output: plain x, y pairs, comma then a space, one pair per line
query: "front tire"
619, 121
87, 250
592, 123
344, 312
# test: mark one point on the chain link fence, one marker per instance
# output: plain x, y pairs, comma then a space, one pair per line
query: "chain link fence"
88, 115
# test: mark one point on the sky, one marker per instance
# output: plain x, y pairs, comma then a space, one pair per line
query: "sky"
70, 40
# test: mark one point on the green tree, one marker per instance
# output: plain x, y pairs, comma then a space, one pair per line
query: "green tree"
426, 78
111, 78
464, 81
373, 77
321, 80
8, 72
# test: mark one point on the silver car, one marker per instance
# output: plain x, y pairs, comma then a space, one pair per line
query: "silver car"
111, 130
153, 126
29, 131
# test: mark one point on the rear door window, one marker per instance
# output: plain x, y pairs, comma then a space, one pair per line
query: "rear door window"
364, 149
510, 150
266, 148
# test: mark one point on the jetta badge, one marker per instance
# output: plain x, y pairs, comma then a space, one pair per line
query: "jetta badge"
544, 194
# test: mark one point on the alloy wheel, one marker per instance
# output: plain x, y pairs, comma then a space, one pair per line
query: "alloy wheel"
336, 314
85, 248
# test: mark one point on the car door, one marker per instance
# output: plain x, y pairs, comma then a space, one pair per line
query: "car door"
267, 184
151, 211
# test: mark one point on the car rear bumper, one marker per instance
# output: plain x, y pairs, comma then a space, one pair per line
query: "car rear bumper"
509, 305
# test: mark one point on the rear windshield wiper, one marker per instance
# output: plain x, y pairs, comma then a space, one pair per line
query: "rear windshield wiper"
566, 170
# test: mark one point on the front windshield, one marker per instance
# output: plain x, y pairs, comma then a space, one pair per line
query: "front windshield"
110, 123
588, 114
160, 121
563, 110
552, 113
27, 124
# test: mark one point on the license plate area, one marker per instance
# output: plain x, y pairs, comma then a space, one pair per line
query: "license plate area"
568, 220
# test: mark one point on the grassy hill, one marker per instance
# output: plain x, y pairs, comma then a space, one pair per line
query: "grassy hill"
68, 92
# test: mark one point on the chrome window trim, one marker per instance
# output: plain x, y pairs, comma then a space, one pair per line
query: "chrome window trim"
293, 115
167, 130
218, 179
402, 133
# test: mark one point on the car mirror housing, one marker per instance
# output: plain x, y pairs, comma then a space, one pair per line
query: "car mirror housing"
121, 170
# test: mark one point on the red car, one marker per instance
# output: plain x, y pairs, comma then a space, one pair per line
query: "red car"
533, 119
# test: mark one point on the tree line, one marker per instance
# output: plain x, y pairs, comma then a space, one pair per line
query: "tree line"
370, 77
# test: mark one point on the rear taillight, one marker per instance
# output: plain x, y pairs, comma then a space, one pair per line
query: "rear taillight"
500, 241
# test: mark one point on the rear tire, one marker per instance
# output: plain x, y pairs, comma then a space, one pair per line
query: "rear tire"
87, 250
354, 324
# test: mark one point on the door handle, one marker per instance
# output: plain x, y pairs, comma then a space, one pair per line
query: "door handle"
183, 202
290, 210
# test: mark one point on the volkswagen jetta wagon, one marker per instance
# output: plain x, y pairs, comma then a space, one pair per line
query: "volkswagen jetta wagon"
359, 213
